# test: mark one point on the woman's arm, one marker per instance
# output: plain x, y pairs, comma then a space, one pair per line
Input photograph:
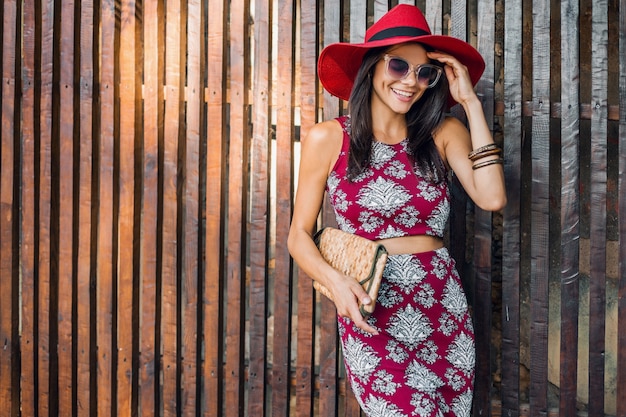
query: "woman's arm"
318, 155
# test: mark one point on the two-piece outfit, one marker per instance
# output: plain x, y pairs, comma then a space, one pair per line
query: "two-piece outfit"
422, 361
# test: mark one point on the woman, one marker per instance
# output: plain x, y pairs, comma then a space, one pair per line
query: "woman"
385, 167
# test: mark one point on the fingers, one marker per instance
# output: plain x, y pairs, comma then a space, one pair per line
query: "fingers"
348, 306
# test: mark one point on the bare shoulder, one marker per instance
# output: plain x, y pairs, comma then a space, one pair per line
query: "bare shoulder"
451, 133
323, 143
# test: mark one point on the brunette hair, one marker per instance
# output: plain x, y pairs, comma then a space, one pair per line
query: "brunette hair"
422, 120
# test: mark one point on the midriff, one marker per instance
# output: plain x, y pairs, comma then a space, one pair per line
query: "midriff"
411, 244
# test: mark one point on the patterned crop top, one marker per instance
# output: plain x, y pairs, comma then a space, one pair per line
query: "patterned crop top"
390, 198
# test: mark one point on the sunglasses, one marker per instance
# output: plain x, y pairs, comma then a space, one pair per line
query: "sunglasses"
425, 74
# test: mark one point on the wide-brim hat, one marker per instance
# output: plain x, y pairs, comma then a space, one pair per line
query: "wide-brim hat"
339, 63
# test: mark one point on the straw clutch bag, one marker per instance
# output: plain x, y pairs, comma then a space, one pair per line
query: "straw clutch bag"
354, 256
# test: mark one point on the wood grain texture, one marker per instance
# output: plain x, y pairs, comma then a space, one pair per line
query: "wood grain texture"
540, 208
511, 236
260, 217
153, 106
570, 214
215, 177
598, 200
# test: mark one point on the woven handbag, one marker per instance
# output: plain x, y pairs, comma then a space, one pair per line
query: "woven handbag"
354, 256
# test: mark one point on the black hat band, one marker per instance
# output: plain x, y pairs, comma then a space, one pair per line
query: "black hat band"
398, 31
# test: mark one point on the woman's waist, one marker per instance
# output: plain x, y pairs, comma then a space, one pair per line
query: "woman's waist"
411, 244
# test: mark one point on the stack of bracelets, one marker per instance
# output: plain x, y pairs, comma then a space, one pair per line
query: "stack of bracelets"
483, 152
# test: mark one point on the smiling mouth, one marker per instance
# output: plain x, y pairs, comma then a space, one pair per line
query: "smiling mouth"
402, 93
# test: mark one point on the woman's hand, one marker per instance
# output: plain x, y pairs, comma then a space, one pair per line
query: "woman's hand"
348, 295
461, 88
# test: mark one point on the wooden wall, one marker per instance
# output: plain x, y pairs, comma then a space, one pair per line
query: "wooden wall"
148, 162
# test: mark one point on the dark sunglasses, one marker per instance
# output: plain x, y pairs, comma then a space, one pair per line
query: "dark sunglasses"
425, 74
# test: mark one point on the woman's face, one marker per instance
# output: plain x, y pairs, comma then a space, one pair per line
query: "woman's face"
398, 94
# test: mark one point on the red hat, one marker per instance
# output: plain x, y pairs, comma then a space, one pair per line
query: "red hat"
339, 62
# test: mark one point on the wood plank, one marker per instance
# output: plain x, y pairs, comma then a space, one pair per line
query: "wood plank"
328, 341
148, 390
28, 201
284, 196
169, 274
620, 388
511, 245
44, 191
214, 271
237, 173
65, 171
8, 336
570, 214
305, 361
434, 15
84, 323
598, 168
540, 208
191, 221
126, 211
105, 254
259, 297
482, 224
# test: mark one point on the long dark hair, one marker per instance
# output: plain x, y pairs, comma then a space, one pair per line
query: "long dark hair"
422, 120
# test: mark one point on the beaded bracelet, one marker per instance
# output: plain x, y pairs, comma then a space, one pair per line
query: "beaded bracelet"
487, 163
474, 154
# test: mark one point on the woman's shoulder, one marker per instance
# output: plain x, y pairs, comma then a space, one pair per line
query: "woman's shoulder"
324, 134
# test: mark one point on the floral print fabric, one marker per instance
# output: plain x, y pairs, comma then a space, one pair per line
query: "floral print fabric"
422, 362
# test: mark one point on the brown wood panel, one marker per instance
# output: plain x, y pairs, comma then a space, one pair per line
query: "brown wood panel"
570, 235
258, 297
540, 208
152, 25
598, 199
305, 361
215, 168
284, 196
237, 177
620, 388
65, 170
105, 274
27, 207
84, 324
44, 190
328, 341
126, 210
189, 255
511, 236
9, 391
169, 274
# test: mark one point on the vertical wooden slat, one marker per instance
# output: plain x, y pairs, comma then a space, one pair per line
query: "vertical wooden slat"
598, 167
259, 209
8, 391
46, 49
328, 342
282, 282
152, 124
65, 202
237, 163
106, 152
511, 215
189, 261
433, 13
27, 206
540, 208
169, 279
214, 270
305, 370
126, 181
620, 388
84, 255
570, 213
482, 224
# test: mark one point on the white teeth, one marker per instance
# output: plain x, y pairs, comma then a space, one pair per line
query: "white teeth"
402, 93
